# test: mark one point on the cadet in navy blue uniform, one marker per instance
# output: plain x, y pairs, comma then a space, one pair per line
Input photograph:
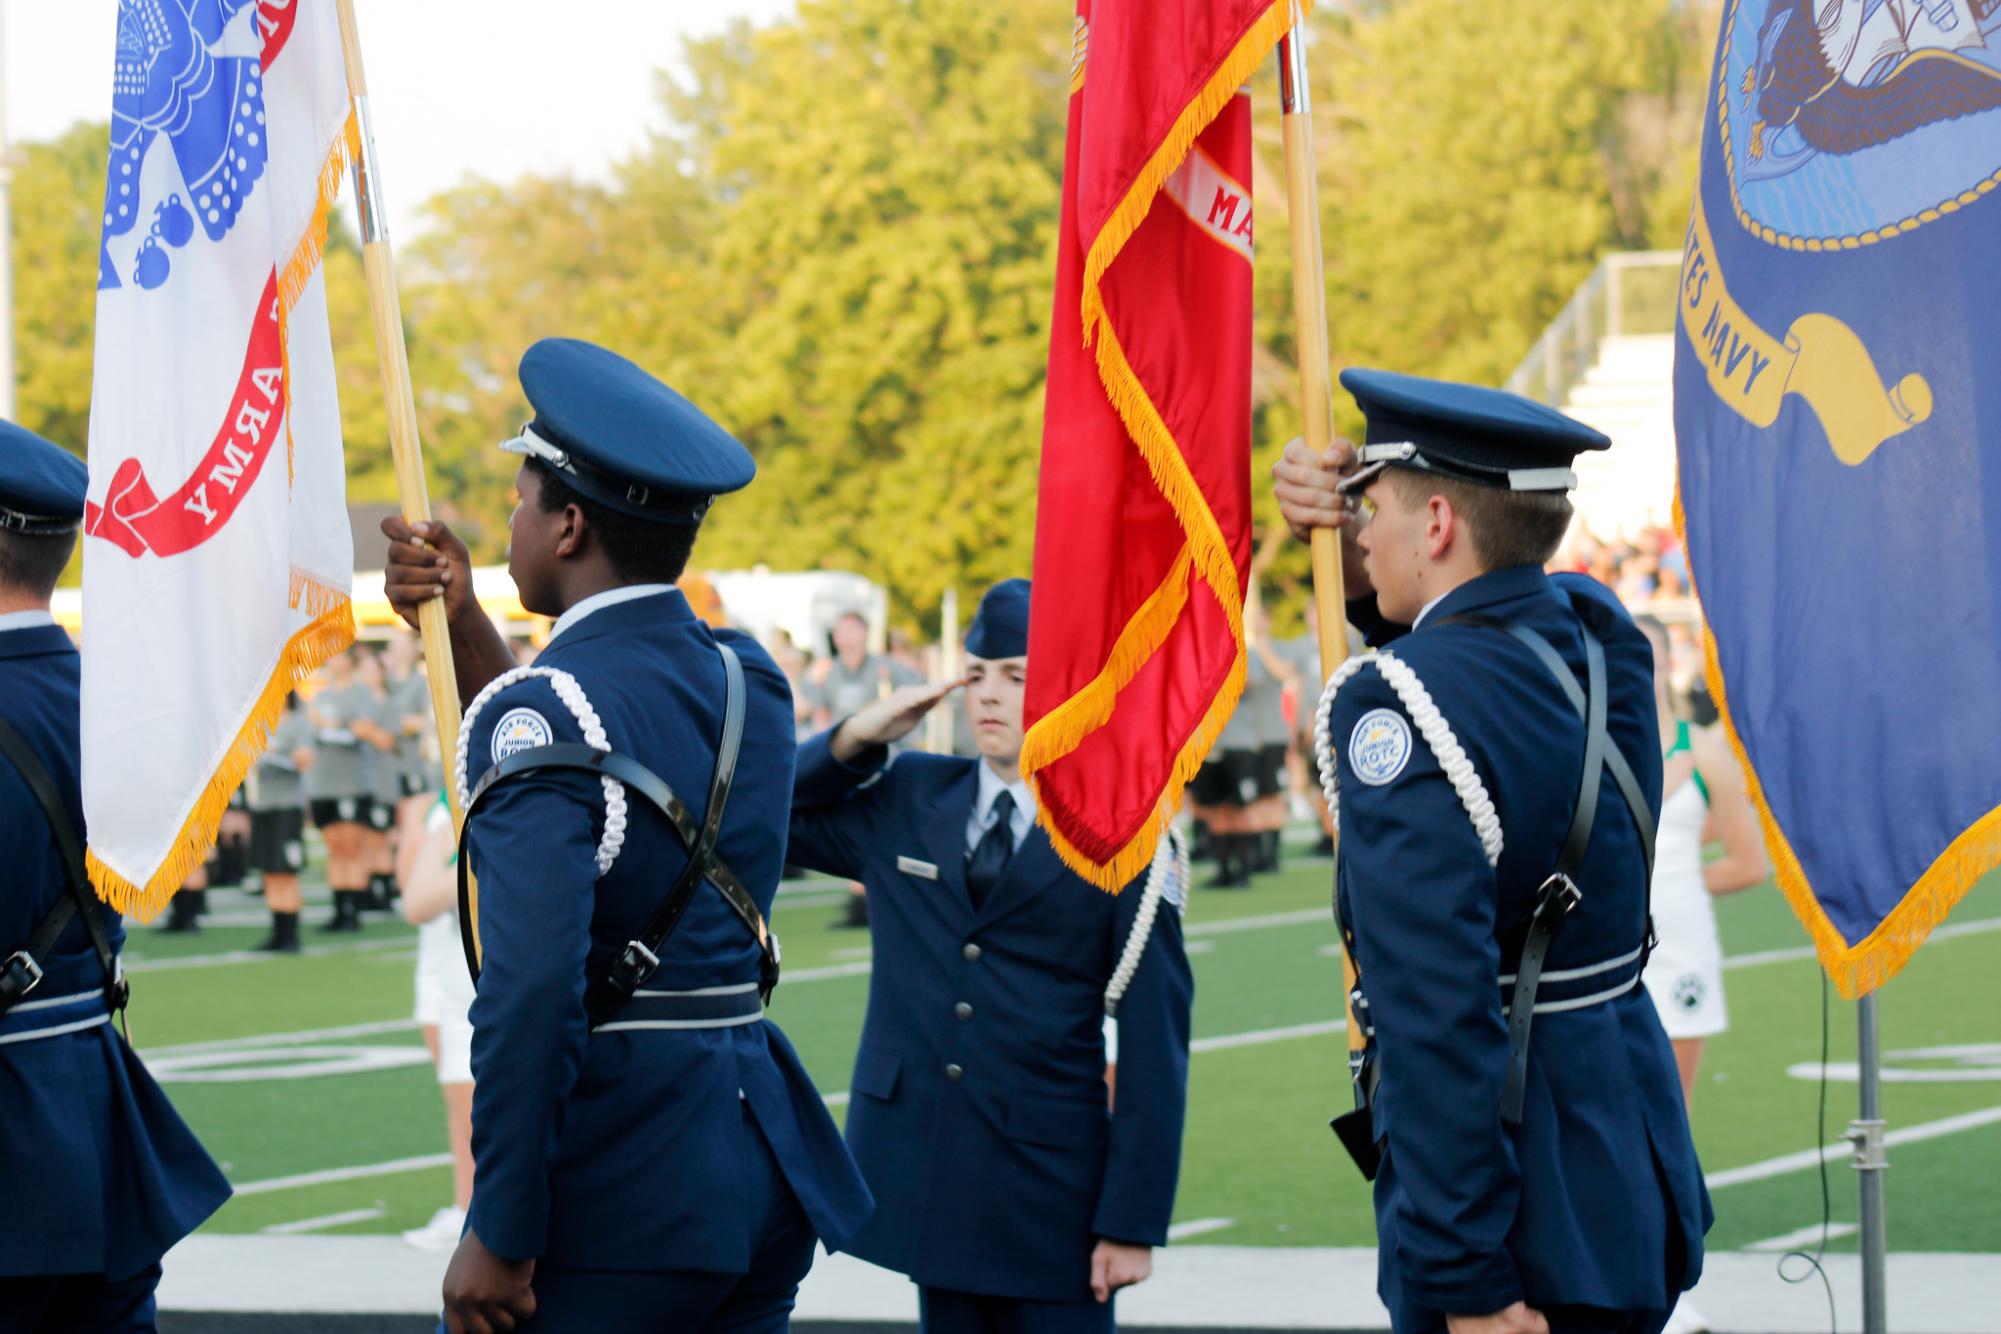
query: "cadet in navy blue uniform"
655, 1161
101, 1176
1004, 1186
1521, 1107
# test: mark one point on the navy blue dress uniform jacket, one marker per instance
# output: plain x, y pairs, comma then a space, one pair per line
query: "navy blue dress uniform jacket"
1596, 1199
979, 1112
623, 1150
101, 1175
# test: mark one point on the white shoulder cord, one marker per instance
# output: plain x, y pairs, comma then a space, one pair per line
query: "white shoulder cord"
1431, 725
1169, 859
572, 695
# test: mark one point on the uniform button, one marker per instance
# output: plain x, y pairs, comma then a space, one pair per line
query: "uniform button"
971, 952
954, 1073
963, 1010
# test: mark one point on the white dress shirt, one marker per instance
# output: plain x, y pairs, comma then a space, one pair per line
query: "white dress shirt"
982, 818
25, 620
611, 597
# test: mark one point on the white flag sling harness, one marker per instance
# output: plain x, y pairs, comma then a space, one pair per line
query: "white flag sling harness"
607, 996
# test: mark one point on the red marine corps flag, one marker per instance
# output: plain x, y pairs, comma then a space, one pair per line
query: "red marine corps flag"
1143, 534
216, 556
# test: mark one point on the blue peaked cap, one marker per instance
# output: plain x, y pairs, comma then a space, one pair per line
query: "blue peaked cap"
42, 484
1488, 437
620, 437
1000, 626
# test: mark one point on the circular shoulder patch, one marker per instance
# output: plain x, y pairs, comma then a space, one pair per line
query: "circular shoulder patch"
1379, 747
519, 730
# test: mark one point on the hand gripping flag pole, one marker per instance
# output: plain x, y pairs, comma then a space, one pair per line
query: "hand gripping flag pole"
1309, 302
394, 356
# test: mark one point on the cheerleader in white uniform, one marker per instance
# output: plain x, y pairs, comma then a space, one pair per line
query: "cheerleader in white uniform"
1703, 799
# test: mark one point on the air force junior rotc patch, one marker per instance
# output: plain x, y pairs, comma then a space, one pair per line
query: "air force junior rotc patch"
1378, 748
519, 730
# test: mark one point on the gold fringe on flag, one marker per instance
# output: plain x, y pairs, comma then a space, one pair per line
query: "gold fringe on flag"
1064, 728
330, 632
301, 657
1859, 968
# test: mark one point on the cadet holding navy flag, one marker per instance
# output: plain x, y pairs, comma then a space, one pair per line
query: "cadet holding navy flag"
98, 1175
1496, 778
648, 1152
1006, 1188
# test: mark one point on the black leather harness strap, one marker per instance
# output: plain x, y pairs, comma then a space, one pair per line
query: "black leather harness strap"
641, 956
21, 972
1560, 893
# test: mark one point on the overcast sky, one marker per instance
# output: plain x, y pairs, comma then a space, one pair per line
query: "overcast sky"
491, 88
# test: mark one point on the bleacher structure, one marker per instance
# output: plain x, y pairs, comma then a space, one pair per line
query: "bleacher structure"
1607, 359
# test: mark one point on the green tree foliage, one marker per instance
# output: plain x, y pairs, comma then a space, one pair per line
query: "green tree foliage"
843, 246
888, 173
57, 198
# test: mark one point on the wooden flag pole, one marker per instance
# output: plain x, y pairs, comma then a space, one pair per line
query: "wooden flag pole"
394, 356
1309, 303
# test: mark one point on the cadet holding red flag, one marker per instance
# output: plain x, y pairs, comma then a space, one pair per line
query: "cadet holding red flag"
1143, 532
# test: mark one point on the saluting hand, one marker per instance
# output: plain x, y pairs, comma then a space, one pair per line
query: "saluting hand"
485, 1294
426, 560
888, 719
1115, 1265
1304, 484
1521, 1318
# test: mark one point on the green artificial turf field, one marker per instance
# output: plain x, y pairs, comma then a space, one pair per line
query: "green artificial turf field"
309, 1083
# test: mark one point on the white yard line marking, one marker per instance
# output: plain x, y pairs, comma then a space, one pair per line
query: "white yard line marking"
137, 962
324, 1221
297, 1038
1949, 931
860, 968
1196, 1227
1807, 1158
333, 1174
1803, 1236
1300, 917
1225, 1041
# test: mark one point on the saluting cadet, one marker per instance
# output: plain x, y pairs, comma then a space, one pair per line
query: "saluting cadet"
649, 1154
101, 1176
1494, 773
1005, 1186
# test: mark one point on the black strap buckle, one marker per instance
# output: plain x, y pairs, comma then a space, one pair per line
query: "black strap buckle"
20, 964
634, 964
1559, 896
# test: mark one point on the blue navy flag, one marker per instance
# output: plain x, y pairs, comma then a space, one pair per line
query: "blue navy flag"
1836, 401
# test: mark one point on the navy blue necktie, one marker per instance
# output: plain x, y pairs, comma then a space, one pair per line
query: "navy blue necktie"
988, 862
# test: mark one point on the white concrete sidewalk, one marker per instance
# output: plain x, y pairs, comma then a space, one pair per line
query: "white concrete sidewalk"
1194, 1287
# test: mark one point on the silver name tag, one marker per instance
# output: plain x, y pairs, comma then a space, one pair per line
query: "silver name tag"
922, 870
